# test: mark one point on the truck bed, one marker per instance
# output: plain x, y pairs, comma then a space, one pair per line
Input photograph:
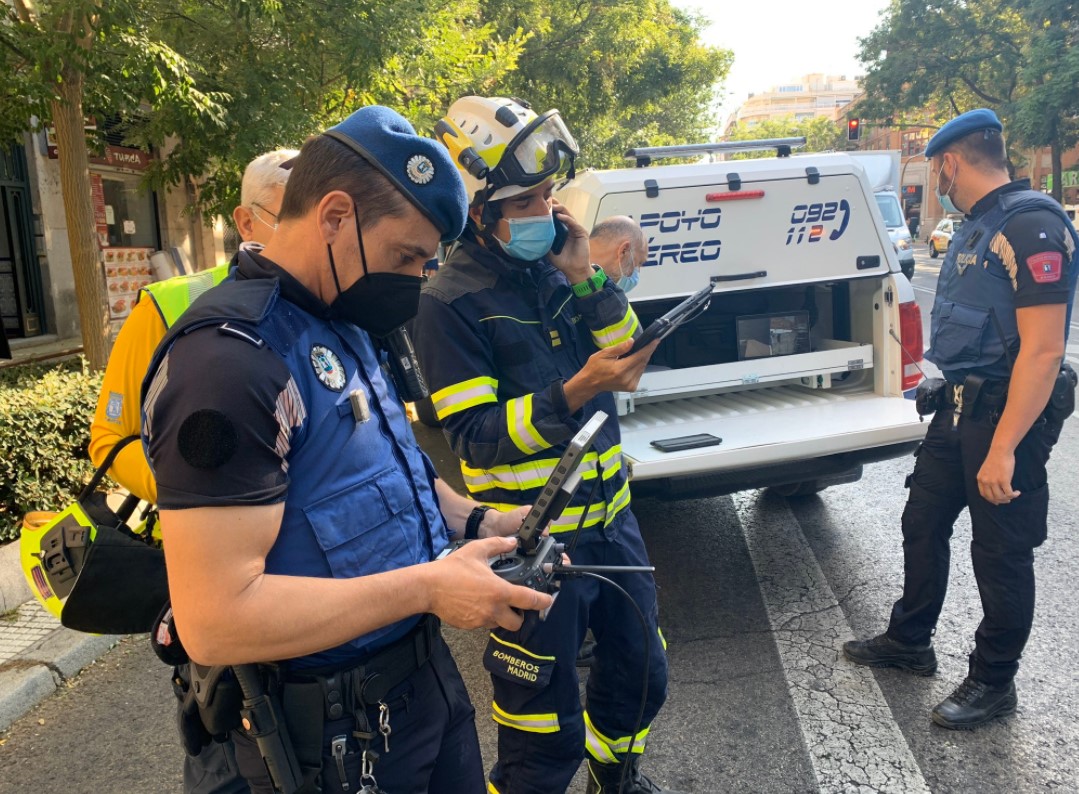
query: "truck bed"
763, 427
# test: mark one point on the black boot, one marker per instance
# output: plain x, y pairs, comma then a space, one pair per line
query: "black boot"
883, 651
974, 703
604, 779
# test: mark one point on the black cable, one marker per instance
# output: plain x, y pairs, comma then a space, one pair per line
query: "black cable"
644, 679
584, 512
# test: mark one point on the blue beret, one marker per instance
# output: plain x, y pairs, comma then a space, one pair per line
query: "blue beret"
962, 126
419, 167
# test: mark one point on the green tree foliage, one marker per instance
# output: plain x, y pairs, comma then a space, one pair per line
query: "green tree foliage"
286, 70
63, 60
1047, 113
932, 61
821, 134
623, 73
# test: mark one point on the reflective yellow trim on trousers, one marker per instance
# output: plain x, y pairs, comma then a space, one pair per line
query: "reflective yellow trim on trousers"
535, 473
571, 516
532, 723
662, 639
525, 651
491, 788
519, 424
465, 394
606, 750
619, 332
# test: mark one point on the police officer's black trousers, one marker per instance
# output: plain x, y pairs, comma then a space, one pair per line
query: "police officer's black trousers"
433, 744
1003, 539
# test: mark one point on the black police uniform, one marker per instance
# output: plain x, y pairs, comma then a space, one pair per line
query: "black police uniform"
1016, 249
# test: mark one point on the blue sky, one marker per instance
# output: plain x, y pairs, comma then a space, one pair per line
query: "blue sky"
777, 41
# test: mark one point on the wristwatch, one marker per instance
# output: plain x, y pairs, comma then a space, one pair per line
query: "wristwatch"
475, 518
592, 284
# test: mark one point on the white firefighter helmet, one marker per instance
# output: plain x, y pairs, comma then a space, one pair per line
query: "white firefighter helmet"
502, 147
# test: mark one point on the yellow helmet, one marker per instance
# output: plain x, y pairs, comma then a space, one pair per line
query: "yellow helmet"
502, 147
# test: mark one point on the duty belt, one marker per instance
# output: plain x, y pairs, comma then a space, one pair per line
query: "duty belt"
367, 684
992, 395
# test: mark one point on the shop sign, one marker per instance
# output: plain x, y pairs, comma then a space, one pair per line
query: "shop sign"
115, 156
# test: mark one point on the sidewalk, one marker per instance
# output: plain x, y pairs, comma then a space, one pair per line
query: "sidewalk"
37, 654
41, 348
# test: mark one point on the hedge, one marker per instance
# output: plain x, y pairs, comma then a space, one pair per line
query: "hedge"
45, 414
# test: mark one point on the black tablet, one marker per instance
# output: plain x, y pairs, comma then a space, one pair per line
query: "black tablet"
665, 325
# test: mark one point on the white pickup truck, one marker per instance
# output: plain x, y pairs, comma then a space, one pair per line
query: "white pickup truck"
812, 337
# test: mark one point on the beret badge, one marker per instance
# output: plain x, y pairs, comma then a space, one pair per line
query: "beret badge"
420, 169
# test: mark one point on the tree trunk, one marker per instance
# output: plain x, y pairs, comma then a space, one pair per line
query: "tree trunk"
1058, 173
90, 294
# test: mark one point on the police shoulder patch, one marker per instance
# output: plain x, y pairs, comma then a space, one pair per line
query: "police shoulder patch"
1046, 267
328, 368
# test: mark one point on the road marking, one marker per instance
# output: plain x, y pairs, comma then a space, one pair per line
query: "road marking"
849, 731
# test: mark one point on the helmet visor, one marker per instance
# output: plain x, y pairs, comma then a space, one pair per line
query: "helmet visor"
541, 150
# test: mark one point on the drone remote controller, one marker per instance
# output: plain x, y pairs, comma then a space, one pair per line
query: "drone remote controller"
538, 558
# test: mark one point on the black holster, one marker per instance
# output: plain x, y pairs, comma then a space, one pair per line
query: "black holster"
1062, 400
929, 398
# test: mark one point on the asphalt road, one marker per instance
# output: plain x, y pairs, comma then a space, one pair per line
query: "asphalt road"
757, 595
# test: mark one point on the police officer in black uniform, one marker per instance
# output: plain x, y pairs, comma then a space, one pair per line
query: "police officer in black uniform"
999, 327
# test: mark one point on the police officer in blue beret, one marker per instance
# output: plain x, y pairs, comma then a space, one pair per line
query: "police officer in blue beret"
301, 520
999, 328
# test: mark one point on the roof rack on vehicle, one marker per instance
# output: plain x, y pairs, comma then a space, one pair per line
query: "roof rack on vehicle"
646, 154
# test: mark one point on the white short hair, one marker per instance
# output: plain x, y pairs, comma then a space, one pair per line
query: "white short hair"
263, 175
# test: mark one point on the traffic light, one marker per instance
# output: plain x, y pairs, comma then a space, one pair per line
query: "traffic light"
854, 129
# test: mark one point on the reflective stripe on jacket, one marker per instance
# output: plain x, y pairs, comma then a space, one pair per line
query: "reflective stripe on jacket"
496, 343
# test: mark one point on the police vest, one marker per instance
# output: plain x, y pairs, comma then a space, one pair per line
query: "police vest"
360, 498
173, 296
973, 328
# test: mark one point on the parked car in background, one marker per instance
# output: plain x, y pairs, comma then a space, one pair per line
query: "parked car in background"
891, 211
942, 235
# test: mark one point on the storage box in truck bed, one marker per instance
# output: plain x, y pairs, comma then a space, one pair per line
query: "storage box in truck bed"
812, 337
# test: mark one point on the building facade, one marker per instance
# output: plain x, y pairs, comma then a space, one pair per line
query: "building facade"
37, 285
811, 96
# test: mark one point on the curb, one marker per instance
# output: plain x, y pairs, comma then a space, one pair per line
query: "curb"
37, 672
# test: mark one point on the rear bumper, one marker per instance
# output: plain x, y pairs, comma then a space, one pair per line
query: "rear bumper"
828, 467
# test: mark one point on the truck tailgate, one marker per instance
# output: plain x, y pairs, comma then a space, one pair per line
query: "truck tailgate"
764, 426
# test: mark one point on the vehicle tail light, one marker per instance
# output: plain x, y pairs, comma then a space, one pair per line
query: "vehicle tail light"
910, 334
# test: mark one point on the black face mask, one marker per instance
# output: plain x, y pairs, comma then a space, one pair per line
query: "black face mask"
379, 303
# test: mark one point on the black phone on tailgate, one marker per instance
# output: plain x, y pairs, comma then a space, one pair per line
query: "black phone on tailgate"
679, 443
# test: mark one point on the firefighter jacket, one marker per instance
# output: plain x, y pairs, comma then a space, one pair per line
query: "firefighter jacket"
496, 343
973, 320
118, 412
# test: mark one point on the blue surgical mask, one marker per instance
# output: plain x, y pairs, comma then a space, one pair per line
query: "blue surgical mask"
627, 283
945, 200
530, 238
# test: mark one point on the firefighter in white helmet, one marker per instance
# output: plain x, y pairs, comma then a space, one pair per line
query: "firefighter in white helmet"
521, 343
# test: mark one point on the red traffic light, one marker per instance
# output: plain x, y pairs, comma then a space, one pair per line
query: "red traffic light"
854, 129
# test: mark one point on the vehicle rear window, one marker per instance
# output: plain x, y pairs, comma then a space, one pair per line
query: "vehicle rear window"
889, 209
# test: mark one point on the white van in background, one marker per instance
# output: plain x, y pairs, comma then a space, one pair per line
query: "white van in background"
799, 366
